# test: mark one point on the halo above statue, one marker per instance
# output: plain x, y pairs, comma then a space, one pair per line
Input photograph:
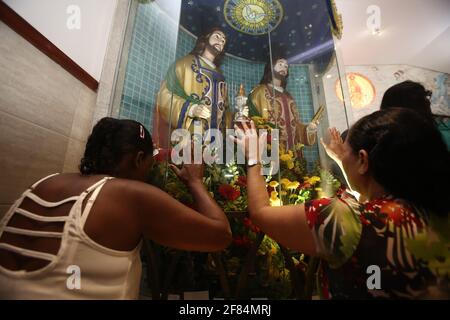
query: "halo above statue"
254, 17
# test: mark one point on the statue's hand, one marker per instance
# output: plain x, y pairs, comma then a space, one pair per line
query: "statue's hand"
311, 128
199, 111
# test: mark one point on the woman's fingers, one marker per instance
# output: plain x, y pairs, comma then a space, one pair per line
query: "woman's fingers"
244, 126
239, 132
175, 169
252, 125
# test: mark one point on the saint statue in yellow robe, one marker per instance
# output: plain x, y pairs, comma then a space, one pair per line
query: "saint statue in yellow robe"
194, 91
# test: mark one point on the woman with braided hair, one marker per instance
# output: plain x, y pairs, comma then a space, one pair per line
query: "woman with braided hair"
77, 235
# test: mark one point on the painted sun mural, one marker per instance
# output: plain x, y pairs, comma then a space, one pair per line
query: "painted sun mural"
362, 91
253, 17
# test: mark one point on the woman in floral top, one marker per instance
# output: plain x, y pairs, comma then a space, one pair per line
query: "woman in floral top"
394, 245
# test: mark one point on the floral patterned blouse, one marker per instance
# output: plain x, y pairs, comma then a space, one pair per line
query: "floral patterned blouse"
383, 248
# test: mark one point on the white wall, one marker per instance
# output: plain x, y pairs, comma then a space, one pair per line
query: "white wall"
45, 116
413, 32
86, 46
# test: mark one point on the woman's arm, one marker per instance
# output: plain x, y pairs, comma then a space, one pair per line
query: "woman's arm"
169, 222
287, 224
335, 150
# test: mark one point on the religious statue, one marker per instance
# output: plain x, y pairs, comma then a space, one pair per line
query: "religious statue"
271, 101
194, 91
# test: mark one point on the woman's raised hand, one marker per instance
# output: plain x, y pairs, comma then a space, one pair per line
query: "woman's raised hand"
335, 147
247, 139
190, 172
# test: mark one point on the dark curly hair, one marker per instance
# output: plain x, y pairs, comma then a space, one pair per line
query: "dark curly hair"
201, 43
408, 94
404, 148
109, 141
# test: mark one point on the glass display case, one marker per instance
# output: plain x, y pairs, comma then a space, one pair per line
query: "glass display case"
203, 66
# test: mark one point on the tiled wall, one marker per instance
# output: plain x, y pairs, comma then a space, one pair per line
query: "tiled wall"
45, 117
157, 42
152, 51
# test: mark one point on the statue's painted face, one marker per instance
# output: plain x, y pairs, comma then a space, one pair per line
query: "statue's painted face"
217, 40
281, 67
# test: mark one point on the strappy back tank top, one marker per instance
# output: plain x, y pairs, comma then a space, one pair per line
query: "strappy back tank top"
81, 269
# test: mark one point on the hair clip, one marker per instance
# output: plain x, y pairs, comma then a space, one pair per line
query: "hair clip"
141, 131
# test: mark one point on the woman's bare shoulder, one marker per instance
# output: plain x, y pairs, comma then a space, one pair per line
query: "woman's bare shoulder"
71, 184
134, 190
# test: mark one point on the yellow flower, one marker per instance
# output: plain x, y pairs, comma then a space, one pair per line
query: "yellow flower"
273, 250
290, 165
318, 189
285, 181
293, 185
313, 180
273, 195
283, 193
274, 200
273, 184
291, 153
275, 203
257, 119
286, 157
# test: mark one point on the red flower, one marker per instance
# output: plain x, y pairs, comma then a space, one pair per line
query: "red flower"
228, 192
242, 181
241, 241
237, 241
248, 223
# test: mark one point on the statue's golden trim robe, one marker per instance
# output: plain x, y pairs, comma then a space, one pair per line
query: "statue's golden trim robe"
283, 112
189, 81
